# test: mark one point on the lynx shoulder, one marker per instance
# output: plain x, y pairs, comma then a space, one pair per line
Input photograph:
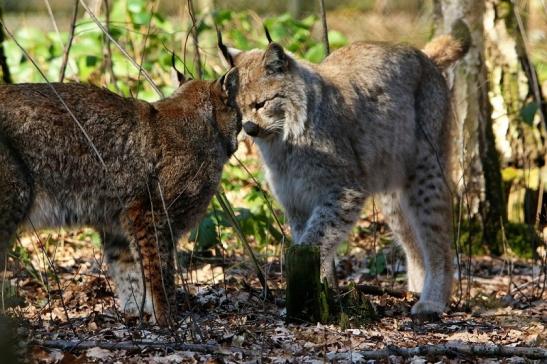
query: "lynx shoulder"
140, 173
372, 118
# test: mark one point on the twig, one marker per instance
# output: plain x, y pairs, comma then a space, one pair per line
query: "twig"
6, 75
224, 203
108, 63
145, 74
195, 39
325, 29
70, 345
449, 349
378, 291
70, 39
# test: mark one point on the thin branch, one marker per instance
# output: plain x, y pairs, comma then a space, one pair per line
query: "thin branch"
124, 52
379, 291
70, 39
225, 204
108, 62
195, 39
6, 75
324, 26
70, 345
449, 349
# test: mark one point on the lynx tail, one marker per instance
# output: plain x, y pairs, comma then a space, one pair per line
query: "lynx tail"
444, 50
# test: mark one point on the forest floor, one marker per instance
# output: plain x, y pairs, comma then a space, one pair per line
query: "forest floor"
222, 311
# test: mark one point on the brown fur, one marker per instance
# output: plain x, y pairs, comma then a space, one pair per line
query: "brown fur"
160, 164
444, 50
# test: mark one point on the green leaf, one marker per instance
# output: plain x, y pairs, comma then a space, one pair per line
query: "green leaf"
222, 16
337, 39
91, 61
315, 54
136, 6
141, 18
205, 235
528, 112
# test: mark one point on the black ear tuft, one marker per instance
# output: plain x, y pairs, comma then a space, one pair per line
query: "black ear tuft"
268, 36
227, 56
275, 59
180, 75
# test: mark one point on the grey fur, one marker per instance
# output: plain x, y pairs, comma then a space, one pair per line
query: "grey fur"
370, 119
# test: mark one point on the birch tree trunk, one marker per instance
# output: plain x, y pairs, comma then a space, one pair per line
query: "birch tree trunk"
518, 105
476, 163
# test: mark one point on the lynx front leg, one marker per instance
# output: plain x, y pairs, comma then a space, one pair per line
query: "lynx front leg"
157, 254
330, 223
124, 267
428, 209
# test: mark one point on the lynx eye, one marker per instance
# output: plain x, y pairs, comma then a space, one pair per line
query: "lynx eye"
259, 105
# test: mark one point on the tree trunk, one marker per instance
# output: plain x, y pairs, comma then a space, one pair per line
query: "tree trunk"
476, 162
519, 108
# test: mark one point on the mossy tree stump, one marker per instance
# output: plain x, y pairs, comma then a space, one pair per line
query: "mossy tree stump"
308, 299
306, 296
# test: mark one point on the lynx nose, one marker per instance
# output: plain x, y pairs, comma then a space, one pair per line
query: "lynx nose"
251, 128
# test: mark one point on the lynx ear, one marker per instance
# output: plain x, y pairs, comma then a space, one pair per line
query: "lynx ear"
228, 85
275, 59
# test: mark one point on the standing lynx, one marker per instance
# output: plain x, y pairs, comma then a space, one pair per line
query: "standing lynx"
371, 118
160, 164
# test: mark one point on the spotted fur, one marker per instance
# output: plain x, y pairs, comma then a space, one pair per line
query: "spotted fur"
160, 164
372, 118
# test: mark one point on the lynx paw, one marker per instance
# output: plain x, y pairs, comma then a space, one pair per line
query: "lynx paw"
427, 310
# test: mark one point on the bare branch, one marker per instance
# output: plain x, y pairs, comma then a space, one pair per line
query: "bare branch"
69, 44
225, 204
449, 349
108, 62
6, 75
380, 291
195, 39
324, 25
136, 345
124, 52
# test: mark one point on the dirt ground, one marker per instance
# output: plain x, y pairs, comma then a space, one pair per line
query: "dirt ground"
223, 313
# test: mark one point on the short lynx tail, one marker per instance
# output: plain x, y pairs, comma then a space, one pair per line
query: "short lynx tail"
444, 50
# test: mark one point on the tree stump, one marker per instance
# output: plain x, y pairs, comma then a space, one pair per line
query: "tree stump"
306, 296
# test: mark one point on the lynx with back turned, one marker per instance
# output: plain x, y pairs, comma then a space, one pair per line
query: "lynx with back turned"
140, 173
370, 119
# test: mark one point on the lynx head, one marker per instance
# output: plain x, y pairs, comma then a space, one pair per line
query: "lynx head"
271, 94
211, 104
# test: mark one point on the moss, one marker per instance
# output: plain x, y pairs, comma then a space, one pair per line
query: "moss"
521, 239
310, 300
305, 295
355, 309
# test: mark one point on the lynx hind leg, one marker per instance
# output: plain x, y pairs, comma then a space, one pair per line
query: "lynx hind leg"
15, 200
124, 268
406, 236
157, 254
428, 209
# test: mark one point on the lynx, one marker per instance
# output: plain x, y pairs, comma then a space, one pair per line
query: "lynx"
372, 118
140, 173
